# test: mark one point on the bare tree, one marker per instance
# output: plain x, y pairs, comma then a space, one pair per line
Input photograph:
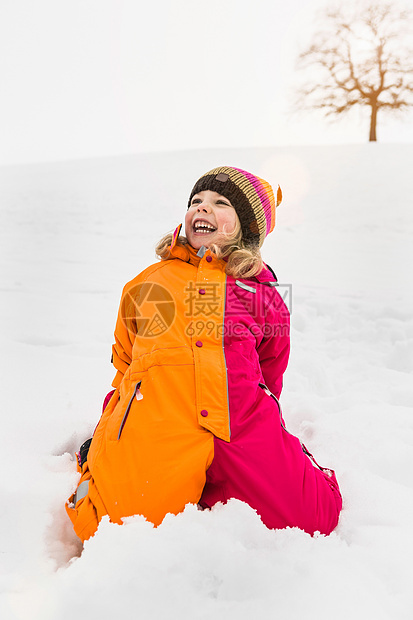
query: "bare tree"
365, 60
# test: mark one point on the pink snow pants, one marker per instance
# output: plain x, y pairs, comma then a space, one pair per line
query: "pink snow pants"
266, 467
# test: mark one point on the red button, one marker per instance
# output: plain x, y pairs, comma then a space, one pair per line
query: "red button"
209, 259
204, 413
199, 343
201, 291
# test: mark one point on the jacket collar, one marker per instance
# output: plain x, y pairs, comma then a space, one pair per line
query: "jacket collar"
184, 252
266, 275
188, 254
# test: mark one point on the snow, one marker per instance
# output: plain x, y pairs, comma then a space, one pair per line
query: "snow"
72, 234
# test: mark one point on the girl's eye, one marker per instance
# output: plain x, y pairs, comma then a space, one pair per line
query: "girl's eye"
197, 201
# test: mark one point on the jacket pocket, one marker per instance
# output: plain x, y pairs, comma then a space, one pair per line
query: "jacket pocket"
136, 394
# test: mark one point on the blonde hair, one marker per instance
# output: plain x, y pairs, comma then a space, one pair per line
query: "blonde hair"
243, 261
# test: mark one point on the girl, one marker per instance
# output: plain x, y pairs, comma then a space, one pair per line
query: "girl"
201, 345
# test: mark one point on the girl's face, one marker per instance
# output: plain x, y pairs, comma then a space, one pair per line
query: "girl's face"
208, 216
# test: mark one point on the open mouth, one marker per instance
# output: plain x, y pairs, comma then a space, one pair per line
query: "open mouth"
203, 227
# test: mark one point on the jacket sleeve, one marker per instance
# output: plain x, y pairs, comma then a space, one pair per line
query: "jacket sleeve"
125, 332
274, 350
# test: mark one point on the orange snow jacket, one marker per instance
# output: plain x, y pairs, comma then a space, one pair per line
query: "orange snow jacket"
169, 358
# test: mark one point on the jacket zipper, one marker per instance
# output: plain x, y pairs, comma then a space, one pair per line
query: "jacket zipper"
303, 447
267, 391
125, 415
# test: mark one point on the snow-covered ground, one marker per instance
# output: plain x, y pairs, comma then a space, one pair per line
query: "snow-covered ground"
71, 235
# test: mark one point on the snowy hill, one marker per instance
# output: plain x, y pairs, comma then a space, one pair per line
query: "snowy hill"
71, 235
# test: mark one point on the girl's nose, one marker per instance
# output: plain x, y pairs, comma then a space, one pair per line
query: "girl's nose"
204, 206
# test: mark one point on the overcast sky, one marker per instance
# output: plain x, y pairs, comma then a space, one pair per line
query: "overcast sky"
86, 78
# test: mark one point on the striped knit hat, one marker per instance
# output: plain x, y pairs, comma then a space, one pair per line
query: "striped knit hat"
251, 197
